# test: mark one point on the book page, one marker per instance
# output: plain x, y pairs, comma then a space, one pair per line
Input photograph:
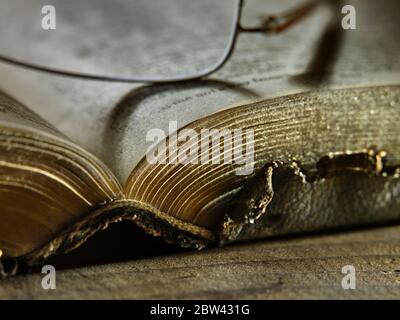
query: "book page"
15, 115
111, 120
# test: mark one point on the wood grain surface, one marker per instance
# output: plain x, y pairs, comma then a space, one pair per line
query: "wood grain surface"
291, 268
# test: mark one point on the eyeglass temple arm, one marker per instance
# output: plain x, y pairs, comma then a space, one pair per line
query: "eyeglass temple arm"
272, 24
279, 23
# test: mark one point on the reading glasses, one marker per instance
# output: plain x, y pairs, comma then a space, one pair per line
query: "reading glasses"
104, 40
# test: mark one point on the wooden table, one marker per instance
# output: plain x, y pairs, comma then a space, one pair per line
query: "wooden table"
302, 267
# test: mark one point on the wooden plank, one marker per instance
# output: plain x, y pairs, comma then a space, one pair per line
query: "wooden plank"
306, 267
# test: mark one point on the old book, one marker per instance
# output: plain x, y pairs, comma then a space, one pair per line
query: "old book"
322, 113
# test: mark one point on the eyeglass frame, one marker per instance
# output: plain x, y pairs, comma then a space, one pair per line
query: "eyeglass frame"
271, 24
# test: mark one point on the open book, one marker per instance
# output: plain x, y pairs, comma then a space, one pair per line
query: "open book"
315, 110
